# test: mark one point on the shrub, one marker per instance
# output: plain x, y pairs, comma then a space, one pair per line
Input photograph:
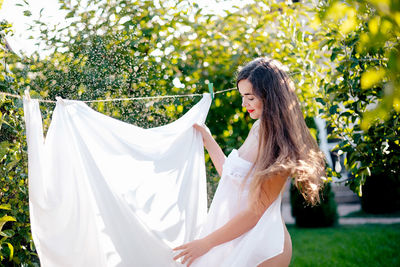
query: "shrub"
323, 214
381, 194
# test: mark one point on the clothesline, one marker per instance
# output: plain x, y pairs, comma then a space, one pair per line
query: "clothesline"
123, 99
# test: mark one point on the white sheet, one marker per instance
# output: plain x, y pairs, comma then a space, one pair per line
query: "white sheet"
106, 193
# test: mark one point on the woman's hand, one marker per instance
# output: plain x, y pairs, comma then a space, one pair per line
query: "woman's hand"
193, 250
203, 129
216, 153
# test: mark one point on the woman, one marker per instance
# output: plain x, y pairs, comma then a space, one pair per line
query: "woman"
278, 146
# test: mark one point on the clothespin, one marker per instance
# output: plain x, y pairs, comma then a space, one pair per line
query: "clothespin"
60, 99
210, 88
27, 94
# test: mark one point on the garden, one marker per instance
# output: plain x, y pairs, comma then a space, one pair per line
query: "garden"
343, 56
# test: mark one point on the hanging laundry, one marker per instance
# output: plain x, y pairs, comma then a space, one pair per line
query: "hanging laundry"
103, 192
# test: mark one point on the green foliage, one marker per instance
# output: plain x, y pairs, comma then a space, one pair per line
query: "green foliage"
323, 214
365, 34
379, 159
7, 233
16, 245
361, 89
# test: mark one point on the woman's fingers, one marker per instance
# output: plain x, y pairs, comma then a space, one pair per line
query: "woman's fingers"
191, 261
197, 127
186, 258
190, 252
180, 247
203, 129
183, 253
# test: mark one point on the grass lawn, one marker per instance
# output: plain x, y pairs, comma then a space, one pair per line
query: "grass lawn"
361, 213
358, 245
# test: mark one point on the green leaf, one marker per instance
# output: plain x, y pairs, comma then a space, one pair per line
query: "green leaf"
5, 219
11, 248
5, 207
27, 13
356, 137
320, 100
7, 233
354, 63
12, 164
334, 54
345, 114
70, 14
333, 109
4, 146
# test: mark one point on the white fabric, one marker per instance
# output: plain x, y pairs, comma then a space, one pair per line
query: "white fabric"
106, 193
262, 242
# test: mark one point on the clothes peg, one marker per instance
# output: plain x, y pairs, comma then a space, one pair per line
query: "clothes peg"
60, 99
211, 89
27, 94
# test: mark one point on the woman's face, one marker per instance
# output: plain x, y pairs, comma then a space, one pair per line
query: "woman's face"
252, 103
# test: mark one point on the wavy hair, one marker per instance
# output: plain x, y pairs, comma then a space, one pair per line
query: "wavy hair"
286, 146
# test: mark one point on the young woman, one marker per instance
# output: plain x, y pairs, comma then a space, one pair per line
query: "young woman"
244, 225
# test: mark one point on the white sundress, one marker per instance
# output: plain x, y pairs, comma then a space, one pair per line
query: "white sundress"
262, 242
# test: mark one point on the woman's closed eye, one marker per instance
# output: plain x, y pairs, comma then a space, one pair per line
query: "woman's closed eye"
252, 98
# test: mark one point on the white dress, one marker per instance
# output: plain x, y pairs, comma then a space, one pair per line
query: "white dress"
262, 242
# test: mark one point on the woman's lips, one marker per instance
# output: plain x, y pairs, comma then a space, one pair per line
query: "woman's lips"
250, 110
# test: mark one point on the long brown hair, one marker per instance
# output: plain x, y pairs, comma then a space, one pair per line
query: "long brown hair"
286, 146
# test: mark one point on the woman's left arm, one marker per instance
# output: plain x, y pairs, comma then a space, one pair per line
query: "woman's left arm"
240, 224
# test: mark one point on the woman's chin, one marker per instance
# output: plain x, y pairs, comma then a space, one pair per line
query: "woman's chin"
253, 116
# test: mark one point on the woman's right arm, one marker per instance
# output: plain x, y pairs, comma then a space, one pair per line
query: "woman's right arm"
215, 151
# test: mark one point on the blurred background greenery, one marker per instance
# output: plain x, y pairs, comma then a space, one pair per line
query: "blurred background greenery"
342, 55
